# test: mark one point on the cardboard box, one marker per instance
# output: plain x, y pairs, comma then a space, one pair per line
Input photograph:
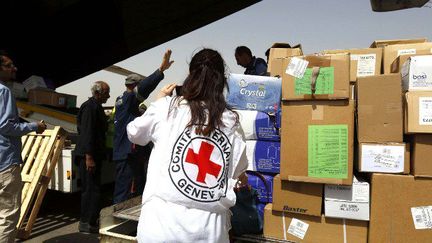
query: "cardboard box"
264, 189
49, 97
317, 141
331, 81
258, 125
421, 163
34, 82
379, 109
276, 69
363, 62
263, 156
297, 197
391, 52
382, 43
417, 73
251, 92
418, 112
398, 63
312, 229
396, 209
282, 50
384, 158
347, 202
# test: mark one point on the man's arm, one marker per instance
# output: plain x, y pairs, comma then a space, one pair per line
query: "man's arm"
9, 124
87, 130
147, 85
87, 136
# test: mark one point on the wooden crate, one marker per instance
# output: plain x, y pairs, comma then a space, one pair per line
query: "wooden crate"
40, 154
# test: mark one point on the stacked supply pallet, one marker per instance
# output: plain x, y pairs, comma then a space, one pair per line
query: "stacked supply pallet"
362, 180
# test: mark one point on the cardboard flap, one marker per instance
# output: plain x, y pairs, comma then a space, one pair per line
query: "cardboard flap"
381, 43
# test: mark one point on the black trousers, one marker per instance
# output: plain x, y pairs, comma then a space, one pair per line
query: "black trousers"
90, 192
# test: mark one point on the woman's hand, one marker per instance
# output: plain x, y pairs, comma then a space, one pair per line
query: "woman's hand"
167, 90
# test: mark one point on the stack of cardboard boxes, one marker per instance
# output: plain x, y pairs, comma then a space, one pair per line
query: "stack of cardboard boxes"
38, 92
355, 145
317, 149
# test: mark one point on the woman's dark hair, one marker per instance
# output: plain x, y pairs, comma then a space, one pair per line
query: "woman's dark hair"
203, 89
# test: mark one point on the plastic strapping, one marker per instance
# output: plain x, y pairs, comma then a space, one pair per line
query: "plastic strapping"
315, 73
344, 232
284, 226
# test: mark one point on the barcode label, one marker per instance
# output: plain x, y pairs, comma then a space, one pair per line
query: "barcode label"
407, 52
298, 228
422, 217
366, 65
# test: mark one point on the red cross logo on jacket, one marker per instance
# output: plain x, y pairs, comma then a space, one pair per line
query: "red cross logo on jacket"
202, 160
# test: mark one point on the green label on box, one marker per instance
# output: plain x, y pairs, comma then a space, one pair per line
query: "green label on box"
328, 151
324, 82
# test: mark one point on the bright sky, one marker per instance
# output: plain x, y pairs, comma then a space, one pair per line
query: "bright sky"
316, 24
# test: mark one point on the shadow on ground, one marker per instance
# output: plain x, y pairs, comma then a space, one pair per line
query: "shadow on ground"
74, 238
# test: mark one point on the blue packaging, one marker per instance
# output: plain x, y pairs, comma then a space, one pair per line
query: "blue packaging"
260, 207
258, 125
250, 92
278, 118
264, 195
263, 156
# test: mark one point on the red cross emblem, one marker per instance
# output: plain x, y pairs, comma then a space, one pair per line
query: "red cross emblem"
202, 160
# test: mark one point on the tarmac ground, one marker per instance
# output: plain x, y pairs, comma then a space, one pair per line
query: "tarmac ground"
58, 218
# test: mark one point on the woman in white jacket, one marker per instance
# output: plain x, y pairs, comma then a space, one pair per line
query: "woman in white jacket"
197, 156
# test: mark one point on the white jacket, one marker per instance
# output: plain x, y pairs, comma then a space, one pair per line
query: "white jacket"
185, 169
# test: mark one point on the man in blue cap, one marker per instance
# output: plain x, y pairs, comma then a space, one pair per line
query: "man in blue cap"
130, 159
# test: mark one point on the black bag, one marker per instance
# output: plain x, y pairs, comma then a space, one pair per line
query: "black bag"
246, 219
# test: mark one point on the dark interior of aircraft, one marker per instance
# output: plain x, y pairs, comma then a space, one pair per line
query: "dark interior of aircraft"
64, 40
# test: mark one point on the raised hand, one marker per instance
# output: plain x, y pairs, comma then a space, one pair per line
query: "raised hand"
166, 62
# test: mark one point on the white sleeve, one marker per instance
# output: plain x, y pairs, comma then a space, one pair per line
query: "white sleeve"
239, 158
140, 130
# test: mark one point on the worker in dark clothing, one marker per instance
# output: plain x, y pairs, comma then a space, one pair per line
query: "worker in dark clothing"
90, 151
254, 65
130, 159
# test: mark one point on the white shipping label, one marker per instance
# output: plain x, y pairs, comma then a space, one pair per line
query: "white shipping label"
406, 52
422, 217
365, 64
425, 110
361, 192
298, 228
382, 158
297, 67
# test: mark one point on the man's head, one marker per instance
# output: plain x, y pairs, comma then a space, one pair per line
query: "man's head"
132, 80
243, 56
100, 91
7, 68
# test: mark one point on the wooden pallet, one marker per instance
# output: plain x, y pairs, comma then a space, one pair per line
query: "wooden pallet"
40, 154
